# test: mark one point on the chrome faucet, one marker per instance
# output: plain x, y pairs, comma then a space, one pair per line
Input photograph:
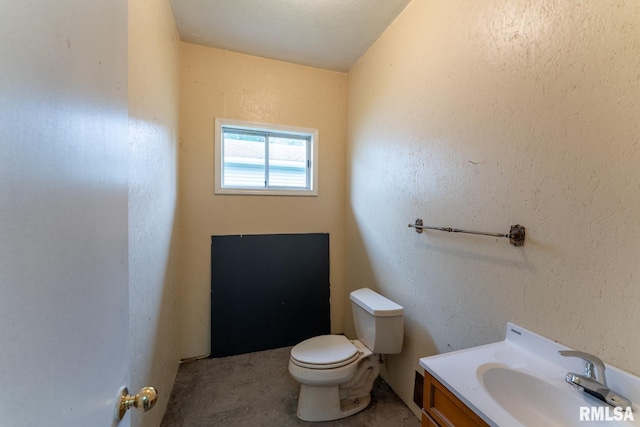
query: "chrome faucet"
593, 381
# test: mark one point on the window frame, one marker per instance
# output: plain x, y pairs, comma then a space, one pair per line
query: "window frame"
278, 131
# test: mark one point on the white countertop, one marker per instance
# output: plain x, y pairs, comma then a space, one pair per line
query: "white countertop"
525, 352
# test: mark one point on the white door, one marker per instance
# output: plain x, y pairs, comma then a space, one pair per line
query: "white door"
63, 211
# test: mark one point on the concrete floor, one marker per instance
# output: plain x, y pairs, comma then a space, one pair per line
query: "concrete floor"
256, 389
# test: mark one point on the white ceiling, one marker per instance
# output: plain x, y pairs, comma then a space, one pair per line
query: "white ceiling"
330, 34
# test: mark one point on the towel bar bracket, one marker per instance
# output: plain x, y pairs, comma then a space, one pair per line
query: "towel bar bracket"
516, 235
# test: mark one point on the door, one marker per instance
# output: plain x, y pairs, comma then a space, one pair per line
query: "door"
63, 212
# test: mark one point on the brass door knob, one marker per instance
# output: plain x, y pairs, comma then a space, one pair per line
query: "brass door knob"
144, 400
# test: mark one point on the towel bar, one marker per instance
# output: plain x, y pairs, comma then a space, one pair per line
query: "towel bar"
516, 234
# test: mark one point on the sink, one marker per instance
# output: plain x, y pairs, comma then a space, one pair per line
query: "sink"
520, 382
528, 399
534, 401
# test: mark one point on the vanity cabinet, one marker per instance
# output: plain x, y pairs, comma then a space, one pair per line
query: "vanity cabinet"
441, 408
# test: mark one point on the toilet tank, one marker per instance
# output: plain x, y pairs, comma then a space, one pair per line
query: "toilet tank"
378, 320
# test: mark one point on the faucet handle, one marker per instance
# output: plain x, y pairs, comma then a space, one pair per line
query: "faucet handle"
594, 366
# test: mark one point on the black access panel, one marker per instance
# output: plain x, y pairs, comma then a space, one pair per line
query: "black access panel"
268, 291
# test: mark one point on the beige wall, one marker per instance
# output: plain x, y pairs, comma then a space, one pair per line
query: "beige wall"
480, 115
217, 83
153, 133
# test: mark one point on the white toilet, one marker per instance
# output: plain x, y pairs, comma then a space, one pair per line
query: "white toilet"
336, 374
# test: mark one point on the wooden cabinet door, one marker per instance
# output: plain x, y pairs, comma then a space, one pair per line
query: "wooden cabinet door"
442, 408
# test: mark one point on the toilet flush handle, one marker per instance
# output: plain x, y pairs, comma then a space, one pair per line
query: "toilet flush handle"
144, 400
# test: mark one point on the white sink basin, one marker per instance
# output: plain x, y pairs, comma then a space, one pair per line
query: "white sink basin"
520, 382
529, 399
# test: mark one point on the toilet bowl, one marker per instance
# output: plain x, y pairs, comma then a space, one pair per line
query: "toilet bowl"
336, 374
326, 360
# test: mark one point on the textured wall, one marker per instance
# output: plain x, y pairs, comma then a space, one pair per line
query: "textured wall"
216, 83
153, 162
480, 115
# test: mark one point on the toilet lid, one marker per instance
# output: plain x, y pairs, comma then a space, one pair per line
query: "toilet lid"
325, 350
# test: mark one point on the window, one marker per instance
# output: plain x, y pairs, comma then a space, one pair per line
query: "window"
256, 158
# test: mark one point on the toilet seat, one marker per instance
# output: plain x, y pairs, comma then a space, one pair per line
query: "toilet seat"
324, 352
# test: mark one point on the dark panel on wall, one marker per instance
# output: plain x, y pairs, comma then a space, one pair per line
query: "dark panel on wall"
268, 291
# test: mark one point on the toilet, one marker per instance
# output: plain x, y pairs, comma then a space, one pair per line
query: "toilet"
336, 374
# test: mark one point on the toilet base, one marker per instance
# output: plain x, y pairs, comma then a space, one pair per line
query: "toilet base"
324, 404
